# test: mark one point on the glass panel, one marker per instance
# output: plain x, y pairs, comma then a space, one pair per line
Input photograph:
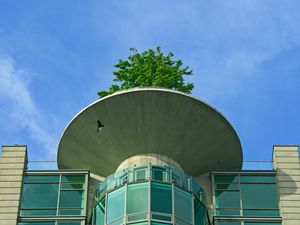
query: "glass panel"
140, 175
261, 223
137, 217
70, 212
161, 198
157, 223
117, 221
141, 223
99, 214
72, 186
138, 198
183, 204
228, 187
71, 199
228, 212
37, 223
258, 179
259, 196
227, 199
39, 196
115, 204
157, 173
179, 221
41, 179
226, 178
73, 178
39, 212
69, 223
196, 187
200, 213
228, 223
162, 217
262, 212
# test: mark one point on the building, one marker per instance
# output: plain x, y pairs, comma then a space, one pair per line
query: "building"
149, 155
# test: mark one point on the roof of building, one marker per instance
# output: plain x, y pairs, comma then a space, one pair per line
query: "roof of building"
149, 120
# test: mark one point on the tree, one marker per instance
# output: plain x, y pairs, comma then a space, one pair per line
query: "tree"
150, 68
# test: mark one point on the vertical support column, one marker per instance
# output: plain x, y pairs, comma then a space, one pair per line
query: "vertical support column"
12, 164
286, 162
206, 184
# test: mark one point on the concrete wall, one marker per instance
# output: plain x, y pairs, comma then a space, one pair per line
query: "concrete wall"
205, 182
12, 165
286, 162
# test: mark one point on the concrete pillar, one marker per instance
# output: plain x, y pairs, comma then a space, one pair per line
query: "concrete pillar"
12, 165
205, 183
146, 159
286, 162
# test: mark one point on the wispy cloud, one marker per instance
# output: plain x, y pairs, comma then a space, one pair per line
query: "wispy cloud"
15, 94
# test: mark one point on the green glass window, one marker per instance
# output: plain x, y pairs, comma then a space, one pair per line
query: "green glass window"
70, 212
261, 223
250, 195
71, 199
183, 204
226, 178
140, 174
141, 223
37, 223
228, 212
38, 212
39, 196
200, 213
73, 178
72, 186
115, 205
228, 199
161, 198
138, 200
257, 179
260, 212
99, 213
258, 196
228, 187
41, 179
50, 223
157, 173
228, 223
69, 223
157, 223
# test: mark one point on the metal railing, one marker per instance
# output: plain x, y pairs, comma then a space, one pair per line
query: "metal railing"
247, 165
144, 173
42, 165
257, 165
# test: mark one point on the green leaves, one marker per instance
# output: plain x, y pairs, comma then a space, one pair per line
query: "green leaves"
150, 68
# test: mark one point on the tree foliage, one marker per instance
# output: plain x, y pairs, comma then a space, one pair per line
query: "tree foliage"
150, 68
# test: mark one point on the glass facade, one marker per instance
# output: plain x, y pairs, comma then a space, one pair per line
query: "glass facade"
53, 194
146, 199
246, 194
246, 223
52, 222
149, 195
149, 172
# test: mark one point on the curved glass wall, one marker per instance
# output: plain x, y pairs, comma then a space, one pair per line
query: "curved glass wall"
149, 172
149, 195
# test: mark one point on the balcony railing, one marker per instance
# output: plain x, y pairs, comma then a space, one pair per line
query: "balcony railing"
257, 165
148, 172
247, 165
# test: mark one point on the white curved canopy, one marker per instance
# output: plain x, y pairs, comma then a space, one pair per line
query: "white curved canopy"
149, 120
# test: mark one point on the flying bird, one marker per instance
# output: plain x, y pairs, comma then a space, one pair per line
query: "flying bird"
99, 125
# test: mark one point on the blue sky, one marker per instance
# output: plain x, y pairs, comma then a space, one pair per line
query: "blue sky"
56, 55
